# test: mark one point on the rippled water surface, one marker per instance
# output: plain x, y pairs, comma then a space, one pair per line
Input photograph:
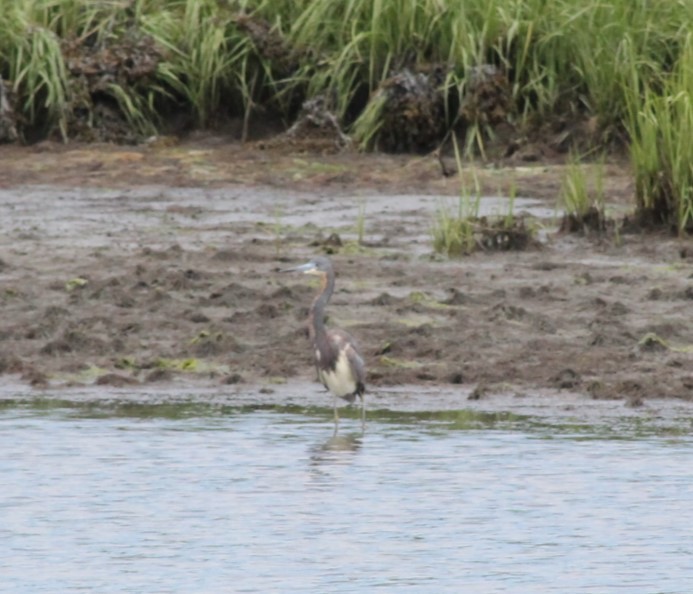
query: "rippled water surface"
179, 499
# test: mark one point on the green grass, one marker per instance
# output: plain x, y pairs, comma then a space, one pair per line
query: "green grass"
461, 233
564, 55
627, 65
454, 233
32, 61
660, 125
582, 189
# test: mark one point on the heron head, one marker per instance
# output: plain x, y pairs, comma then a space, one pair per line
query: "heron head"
318, 266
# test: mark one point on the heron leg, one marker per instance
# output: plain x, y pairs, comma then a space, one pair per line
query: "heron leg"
363, 412
336, 415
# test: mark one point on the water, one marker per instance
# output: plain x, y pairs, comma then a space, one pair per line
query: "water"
251, 499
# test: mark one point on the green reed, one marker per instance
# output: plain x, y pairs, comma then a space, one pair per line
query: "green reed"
660, 125
565, 55
624, 64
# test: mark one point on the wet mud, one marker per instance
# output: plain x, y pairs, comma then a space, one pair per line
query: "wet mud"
158, 264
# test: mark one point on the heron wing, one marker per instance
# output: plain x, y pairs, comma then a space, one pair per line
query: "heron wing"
359, 368
341, 340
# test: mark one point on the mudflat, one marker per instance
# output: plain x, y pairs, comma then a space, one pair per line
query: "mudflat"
123, 265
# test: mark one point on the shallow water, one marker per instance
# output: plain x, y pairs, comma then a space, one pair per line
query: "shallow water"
60, 217
181, 497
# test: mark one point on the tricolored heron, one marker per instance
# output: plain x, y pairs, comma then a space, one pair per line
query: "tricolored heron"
337, 359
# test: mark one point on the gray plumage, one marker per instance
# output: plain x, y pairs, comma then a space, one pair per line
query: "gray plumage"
338, 361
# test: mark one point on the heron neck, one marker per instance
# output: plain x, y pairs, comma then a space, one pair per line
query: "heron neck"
317, 309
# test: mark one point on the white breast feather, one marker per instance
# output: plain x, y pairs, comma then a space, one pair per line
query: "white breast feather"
340, 381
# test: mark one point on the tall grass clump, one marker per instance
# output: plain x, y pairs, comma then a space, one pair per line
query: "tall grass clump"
454, 233
362, 42
580, 53
32, 61
201, 52
227, 59
582, 197
565, 58
660, 126
49, 52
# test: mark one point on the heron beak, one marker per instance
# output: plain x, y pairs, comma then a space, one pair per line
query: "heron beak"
304, 268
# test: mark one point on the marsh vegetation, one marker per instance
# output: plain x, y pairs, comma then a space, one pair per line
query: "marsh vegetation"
395, 76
